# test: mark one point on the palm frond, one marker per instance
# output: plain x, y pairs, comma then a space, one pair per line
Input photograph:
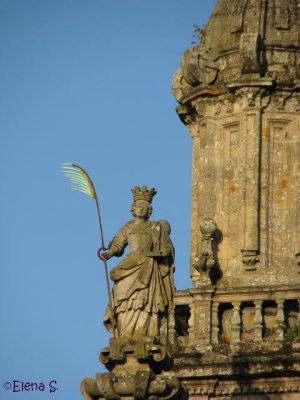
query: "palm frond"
79, 178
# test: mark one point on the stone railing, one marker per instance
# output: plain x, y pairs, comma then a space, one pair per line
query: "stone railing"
253, 321
213, 318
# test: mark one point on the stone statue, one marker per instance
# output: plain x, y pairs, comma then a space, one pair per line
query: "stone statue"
142, 295
142, 312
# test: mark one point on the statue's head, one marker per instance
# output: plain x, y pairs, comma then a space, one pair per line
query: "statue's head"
141, 209
141, 206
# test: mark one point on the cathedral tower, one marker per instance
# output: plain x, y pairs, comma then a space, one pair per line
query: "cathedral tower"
239, 96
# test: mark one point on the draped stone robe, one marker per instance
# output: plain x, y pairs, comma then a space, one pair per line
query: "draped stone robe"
143, 281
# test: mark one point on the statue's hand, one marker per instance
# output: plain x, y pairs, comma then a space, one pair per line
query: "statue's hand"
103, 256
106, 256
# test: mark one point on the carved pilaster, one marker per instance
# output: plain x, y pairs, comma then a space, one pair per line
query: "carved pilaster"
202, 322
258, 322
252, 102
252, 129
236, 324
282, 154
200, 317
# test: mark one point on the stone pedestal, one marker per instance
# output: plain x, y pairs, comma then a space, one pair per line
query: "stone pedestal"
138, 370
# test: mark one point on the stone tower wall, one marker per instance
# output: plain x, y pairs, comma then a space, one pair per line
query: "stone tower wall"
246, 177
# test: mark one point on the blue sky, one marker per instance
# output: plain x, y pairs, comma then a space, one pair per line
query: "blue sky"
85, 82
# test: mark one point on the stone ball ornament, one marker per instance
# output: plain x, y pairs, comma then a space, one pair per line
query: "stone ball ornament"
208, 226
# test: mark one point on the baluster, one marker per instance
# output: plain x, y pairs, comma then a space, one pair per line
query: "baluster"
215, 324
236, 324
171, 326
258, 322
192, 323
280, 319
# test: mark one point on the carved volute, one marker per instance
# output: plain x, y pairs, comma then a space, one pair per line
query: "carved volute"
243, 39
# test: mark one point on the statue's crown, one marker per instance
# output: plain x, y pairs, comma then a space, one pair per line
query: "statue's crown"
143, 193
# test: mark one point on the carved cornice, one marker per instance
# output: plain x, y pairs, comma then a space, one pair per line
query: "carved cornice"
203, 92
262, 95
219, 388
226, 361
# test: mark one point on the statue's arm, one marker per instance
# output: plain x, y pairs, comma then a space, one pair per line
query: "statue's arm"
117, 245
163, 246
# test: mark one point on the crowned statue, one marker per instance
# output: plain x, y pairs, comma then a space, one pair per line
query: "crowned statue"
142, 295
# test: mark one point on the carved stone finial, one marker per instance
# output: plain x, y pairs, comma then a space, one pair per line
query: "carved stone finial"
206, 259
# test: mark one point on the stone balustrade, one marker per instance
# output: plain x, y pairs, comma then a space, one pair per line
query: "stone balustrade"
232, 321
254, 321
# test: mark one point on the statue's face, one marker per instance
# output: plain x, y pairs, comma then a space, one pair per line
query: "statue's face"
141, 209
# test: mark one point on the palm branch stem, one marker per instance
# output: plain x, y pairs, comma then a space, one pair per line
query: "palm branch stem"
105, 268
